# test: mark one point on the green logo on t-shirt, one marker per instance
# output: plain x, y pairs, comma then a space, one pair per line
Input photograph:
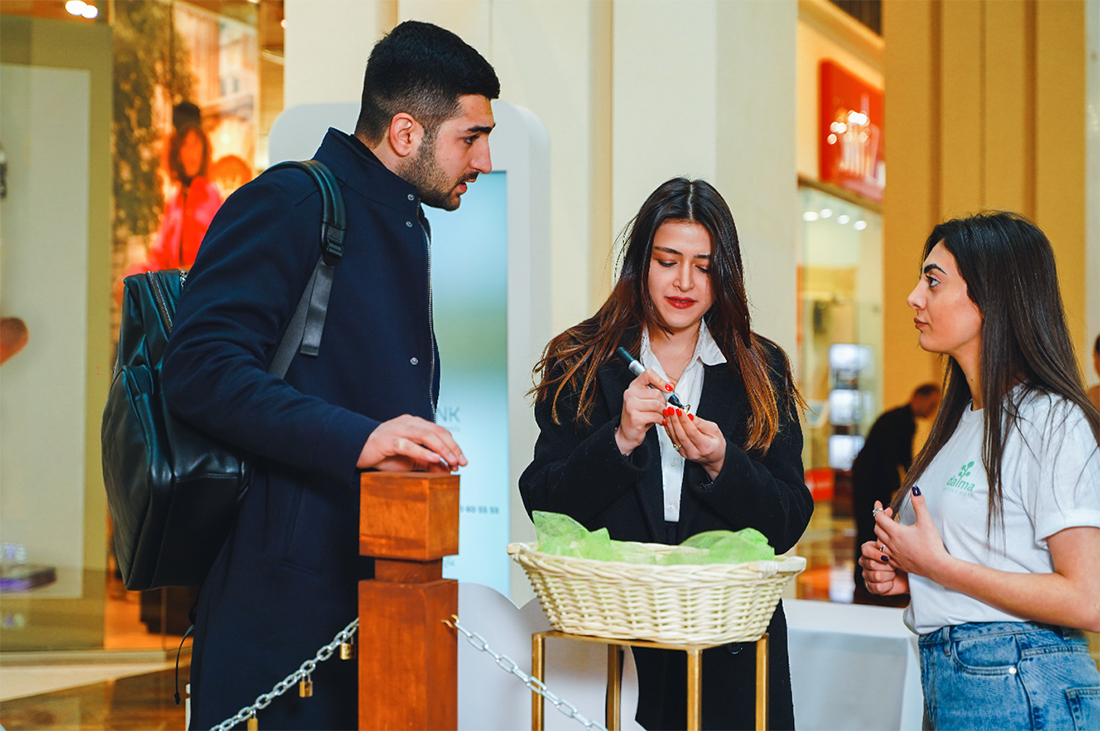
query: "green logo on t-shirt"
959, 483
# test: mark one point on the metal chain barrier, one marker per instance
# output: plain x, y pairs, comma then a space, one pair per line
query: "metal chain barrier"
302, 673
306, 669
509, 665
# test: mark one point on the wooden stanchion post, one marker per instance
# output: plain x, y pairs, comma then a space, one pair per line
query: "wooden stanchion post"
408, 658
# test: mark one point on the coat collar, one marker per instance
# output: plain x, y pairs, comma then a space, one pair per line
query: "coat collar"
357, 168
706, 350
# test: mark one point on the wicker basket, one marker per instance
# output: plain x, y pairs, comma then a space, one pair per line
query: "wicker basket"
681, 604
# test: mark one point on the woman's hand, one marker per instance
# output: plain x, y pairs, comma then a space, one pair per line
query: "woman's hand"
879, 574
700, 440
916, 549
642, 405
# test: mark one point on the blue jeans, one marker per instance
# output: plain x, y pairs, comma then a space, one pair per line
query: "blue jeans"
1008, 675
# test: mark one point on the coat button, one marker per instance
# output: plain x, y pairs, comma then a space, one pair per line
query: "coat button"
413, 361
412, 197
409, 224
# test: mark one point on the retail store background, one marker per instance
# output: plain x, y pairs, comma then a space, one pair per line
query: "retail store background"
992, 103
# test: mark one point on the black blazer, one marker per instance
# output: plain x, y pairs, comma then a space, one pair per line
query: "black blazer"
581, 472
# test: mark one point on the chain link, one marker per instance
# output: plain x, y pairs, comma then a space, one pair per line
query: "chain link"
509, 665
479, 643
307, 668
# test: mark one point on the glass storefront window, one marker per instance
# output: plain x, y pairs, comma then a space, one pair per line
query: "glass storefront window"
91, 178
839, 368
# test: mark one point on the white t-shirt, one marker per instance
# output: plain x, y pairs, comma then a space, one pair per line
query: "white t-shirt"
1050, 478
689, 388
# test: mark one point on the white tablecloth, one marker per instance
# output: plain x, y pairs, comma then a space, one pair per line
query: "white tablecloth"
852, 667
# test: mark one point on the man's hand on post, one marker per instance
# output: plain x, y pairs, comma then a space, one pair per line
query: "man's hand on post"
409, 443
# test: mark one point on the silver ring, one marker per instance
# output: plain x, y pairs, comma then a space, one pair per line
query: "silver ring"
876, 511
677, 447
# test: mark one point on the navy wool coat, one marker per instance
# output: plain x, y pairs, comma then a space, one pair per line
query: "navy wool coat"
285, 582
580, 471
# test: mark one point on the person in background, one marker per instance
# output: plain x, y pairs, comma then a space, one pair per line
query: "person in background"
191, 208
998, 542
1094, 392
734, 462
878, 470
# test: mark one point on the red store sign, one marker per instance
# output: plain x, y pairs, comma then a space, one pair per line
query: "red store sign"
851, 140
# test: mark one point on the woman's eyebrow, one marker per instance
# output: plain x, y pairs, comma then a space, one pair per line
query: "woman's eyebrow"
932, 268
667, 250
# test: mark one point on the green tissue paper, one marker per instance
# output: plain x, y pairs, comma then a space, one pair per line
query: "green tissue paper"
560, 535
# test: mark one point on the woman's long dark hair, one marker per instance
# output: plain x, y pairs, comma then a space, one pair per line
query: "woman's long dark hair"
572, 358
1009, 270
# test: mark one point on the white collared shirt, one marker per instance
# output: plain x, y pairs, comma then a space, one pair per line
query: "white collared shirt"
689, 388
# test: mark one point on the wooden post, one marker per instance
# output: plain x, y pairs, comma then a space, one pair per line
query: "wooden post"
408, 659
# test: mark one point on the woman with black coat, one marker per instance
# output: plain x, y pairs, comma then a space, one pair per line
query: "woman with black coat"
731, 460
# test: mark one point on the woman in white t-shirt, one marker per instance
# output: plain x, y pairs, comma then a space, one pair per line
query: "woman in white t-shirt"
998, 541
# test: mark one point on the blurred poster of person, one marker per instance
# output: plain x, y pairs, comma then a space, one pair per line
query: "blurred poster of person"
878, 470
194, 201
228, 173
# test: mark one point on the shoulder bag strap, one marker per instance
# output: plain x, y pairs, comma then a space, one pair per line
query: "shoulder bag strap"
308, 322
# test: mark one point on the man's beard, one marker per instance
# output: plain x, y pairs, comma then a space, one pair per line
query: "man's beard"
430, 181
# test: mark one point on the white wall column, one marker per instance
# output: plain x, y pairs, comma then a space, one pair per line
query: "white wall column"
756, 154
707, 89
327, 43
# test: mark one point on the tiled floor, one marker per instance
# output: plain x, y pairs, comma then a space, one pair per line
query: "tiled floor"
137, 702
20, 681
101, 694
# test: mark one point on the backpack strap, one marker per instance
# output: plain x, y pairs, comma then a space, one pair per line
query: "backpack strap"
308, 322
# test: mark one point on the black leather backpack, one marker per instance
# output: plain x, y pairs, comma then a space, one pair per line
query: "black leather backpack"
173, 491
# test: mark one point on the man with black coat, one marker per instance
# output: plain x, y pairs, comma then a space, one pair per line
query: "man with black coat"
285, 582
878, 470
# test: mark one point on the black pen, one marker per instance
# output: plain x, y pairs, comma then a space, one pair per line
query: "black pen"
638, 369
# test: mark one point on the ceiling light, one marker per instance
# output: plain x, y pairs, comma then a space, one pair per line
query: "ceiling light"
860, 225
810, 216
842, 219
826, 212
75, 7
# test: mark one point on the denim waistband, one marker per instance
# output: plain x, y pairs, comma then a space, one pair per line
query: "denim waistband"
975, 630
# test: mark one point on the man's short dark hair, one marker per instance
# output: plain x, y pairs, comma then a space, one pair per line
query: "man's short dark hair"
422, 70
926, 390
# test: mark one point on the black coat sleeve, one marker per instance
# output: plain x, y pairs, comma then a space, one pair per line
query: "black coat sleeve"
767, 492
253, 266
578, 471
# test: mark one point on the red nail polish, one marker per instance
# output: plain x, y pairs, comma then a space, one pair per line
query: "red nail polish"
679, 413
668, 386
664, 423
691, 417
